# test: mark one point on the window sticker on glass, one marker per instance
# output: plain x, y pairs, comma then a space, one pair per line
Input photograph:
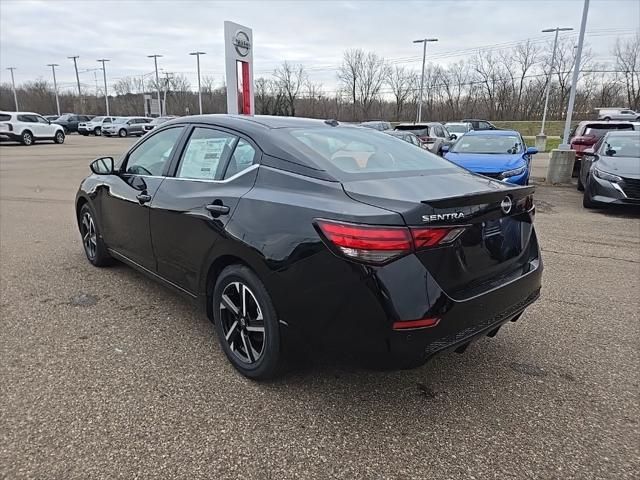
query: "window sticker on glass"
204, 153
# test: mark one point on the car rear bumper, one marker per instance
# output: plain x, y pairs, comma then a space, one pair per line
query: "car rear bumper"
10, 136
344, 307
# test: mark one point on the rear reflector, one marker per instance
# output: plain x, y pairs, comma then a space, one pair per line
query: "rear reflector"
379, 244
409, 324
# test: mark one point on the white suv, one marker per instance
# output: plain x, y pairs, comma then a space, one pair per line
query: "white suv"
618, 114
27, 127
94, 125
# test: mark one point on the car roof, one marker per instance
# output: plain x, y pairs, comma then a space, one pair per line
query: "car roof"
18, 113
418, 124
456, 123
496, 133
603, 122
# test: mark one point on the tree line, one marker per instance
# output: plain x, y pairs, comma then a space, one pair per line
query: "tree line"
504, 84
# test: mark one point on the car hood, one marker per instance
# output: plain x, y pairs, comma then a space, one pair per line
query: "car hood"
623, 166
479, 162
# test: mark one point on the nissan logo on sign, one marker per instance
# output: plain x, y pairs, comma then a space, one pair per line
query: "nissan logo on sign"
242, 43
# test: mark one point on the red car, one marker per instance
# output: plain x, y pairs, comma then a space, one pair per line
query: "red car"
587, 133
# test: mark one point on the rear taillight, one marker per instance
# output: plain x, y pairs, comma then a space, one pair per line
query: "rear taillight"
427, 139
380, 244
584, 140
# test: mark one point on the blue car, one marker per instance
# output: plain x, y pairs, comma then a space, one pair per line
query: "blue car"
500, 154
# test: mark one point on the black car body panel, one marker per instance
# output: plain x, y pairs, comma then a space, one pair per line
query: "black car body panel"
486, 277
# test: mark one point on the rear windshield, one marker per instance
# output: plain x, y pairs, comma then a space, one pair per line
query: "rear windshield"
599, 130
421, 131
457, 128
488, 144
4, 117
362, 151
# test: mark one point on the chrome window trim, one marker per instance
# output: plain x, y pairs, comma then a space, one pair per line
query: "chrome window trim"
206, 180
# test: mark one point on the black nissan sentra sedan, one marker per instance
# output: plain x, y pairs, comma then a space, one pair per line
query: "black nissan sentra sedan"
290, 230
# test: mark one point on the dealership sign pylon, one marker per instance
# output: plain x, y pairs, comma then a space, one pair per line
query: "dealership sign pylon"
238, 53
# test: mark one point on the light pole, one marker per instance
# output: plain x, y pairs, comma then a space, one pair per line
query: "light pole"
424, 56
104, 74
75, 65
155, 62
197, 54
13, 83
553, 61
55, 84
574, 80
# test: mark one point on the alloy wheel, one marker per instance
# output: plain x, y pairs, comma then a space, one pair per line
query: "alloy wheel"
59, 137
242, 322
27, 138
89, 236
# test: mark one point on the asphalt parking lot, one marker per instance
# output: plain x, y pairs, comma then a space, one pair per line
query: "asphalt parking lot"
106, 374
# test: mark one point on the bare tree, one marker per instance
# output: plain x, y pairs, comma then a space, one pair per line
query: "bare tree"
349, 75
402, 83
290, 79
628, 62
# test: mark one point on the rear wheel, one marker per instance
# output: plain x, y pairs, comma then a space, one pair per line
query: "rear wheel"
94, 247
122, 132
59, 137
97, 131
27, 138
246, 323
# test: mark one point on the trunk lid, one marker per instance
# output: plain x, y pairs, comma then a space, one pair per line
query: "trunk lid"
498, 240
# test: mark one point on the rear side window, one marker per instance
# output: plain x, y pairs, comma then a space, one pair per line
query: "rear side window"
27, 118
207, 151
243, 157
358, 151
4, 118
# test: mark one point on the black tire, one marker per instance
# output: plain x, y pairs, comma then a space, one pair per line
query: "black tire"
580, 184
27, 138
92, 243
122, 133
258, 353
65, 130
587, 202
606, 119
97, 131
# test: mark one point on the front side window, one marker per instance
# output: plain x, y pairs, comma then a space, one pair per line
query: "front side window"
151, 157
206, 152
42, 119
488, 144
242, 158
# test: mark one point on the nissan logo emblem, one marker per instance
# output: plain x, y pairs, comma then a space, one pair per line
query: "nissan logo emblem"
506, 205
242, 43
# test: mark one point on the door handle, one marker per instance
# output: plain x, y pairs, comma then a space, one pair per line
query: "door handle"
143, 198
217, 209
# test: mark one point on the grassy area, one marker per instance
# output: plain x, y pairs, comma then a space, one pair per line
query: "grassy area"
552, 142
532, 128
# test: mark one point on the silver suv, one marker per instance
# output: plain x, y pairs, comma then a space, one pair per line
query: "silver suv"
125, 126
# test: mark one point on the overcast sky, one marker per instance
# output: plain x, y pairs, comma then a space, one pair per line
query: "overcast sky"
314, 33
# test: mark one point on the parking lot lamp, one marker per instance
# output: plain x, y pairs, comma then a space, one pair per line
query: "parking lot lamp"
13, 83
424, 56
155, 61
553, 61
197, 54
104, 75
574, 81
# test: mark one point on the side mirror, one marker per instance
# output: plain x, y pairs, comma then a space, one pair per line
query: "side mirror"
531, 151
589, 152
102, 166
453, 136
444, 148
